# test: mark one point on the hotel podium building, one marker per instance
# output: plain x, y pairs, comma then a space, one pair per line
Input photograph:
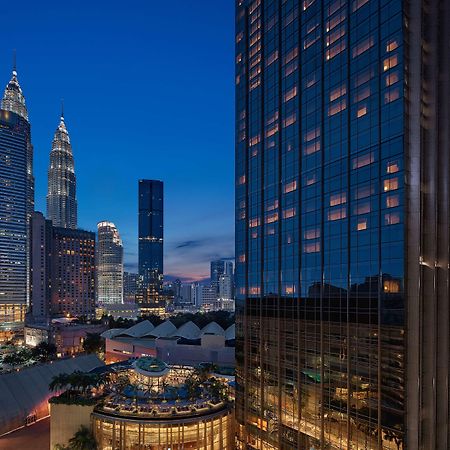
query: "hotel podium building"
342, 224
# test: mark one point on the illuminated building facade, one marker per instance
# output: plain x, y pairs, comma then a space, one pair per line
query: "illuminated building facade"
109, 265
14, 101
218, 268
61, 194
163, 415
342, 225
151, 239
14, 139
73, 273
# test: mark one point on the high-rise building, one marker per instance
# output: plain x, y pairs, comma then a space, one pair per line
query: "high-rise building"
131, 285
342, 224
14, 101
109, 265
226, 287
14, 139
73, 272
41, 238
61, 194
219, 267
151, 238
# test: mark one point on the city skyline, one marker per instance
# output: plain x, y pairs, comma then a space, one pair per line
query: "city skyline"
189, 162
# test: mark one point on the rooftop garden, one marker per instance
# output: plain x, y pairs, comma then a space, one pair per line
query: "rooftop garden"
151, 365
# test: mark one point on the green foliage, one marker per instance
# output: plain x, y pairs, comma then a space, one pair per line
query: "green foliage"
93, 343
83, 439
44, 351
18, 358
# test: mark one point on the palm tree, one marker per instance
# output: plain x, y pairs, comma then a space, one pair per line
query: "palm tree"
83, 439
59, 382
60, 447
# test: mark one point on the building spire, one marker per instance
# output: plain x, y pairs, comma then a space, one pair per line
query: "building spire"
14, 71
62, 109
13, 98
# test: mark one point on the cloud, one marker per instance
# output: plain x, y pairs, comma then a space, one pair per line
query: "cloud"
188, 244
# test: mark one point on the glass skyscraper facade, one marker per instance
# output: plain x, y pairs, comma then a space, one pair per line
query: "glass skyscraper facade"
61, 194
151, 239
342, 226
109, 264
14, 139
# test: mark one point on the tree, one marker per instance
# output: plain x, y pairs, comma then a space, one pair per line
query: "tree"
83, 439
93, 343
44, 351
59, 382
61, 447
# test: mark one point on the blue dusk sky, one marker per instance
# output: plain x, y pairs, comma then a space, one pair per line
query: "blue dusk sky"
148, 89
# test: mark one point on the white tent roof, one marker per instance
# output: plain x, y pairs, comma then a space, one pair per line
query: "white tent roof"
140, 329
164, 329
188, 331
26, 392
230, 332
212, 328
108, 334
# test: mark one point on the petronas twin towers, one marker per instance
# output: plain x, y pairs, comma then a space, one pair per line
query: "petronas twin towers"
61, 194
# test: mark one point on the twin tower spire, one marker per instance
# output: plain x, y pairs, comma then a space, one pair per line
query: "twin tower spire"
61, 193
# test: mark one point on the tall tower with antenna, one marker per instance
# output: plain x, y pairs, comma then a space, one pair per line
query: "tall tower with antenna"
61, 194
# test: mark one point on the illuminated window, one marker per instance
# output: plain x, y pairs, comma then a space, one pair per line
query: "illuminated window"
289, 120
312, 233
391, 286
310, 179
241, 179
363, 160
338, 92
362, 225
271, 58
335, 7
290, 94
361, 208
392, 167
254, 290
271, 131
311, 247
253, 223
358, 3
271, 206
289, 289
241, 258
391, 218
335, 35
311, 148
390, 62
335, 50
337, 214
362, 47
311, 81
392, 201
335, 21
391, 45
362, 111
310, 40
254, 140
390, 184
288, 213
338, 199
337, 107
291, 55
289, 187
290, 68
271, 218
391, 78
307, 4
391, 95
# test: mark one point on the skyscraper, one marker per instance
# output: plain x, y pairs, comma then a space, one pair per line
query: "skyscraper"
61, 194
151, 238
109, 265
14, 139
73, 272
342, 225
218, 268
131, 286
14, 101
